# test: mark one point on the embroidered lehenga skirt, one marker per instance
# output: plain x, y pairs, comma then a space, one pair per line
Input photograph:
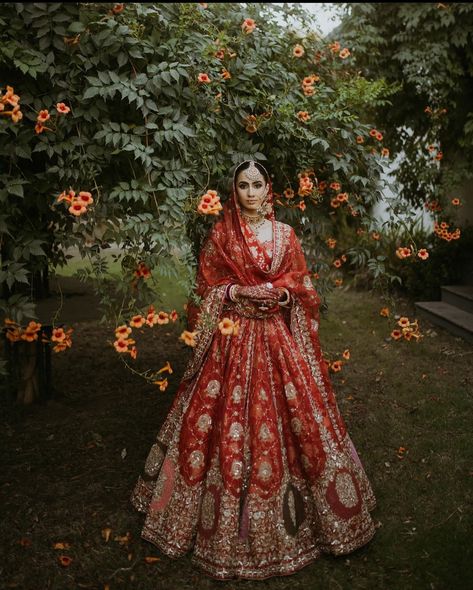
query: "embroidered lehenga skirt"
253, 470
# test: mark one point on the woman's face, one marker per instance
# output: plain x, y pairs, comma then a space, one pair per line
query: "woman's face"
251, 191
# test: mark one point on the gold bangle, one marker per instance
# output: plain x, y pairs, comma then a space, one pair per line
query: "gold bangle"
231, 293
288, 297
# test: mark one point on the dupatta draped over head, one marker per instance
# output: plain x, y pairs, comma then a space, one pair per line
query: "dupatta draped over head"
231, 254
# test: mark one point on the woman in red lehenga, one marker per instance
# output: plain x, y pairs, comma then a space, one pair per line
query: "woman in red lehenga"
253, 468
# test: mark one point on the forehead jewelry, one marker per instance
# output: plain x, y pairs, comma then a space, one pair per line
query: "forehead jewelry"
252, 171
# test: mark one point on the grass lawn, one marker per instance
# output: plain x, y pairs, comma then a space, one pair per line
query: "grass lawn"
69, 465
171, 295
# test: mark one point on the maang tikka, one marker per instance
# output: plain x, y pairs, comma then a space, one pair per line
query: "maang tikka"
252, 171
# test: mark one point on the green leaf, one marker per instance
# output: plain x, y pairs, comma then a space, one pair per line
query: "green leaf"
16, 189
90, 92
76, 27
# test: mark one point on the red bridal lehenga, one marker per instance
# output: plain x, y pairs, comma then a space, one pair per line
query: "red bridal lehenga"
253, 469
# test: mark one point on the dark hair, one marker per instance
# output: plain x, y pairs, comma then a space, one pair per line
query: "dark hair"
245, 165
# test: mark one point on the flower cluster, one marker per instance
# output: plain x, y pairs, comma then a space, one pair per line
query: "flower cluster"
339, 261
44, 116
405, 252
203, 78
248, 26
435, 151
433, 206
228, 326
289, 193
162, 383
308, 84
376, 134
210, 203
303, 116
61, 338
15, 333
8, 100
435, 113
338, 200
408, 330
251, 123
74, 40
188, 338
142, 271
78, 204
335, 47
441, 230
336, 366
123, 339
221, 52
306, 185
331, 242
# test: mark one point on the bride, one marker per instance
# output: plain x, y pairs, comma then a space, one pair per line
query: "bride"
253, 469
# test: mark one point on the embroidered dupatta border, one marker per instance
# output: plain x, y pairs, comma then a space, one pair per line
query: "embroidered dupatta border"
206, 326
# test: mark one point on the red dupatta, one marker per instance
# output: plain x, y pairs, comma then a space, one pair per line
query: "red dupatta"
232, 254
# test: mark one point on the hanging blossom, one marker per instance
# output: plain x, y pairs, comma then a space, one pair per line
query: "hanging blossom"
10, 99
441, 231
210, 203
78, 204
308, 84
248, 26
189, 338
125, 344
60, 338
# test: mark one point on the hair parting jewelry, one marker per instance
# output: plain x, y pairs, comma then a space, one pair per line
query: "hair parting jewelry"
252, 171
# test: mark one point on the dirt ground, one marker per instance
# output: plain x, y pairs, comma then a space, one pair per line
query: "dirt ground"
69, 465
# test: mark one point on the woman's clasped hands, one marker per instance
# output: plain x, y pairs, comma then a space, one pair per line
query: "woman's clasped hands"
265, 296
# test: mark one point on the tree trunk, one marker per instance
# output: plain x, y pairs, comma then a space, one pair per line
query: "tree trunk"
29, 367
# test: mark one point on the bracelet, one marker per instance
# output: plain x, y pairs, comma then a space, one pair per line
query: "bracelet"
288, 297
231, 293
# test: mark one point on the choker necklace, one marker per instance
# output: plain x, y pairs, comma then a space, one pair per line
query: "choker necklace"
255, 222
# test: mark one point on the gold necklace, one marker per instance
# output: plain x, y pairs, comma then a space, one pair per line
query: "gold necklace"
255, 222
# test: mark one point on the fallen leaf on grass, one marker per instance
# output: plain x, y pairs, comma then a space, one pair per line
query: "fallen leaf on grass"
61, 545
151, 559
24, 542
65, 560
123, 540
106, 534
400, 452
